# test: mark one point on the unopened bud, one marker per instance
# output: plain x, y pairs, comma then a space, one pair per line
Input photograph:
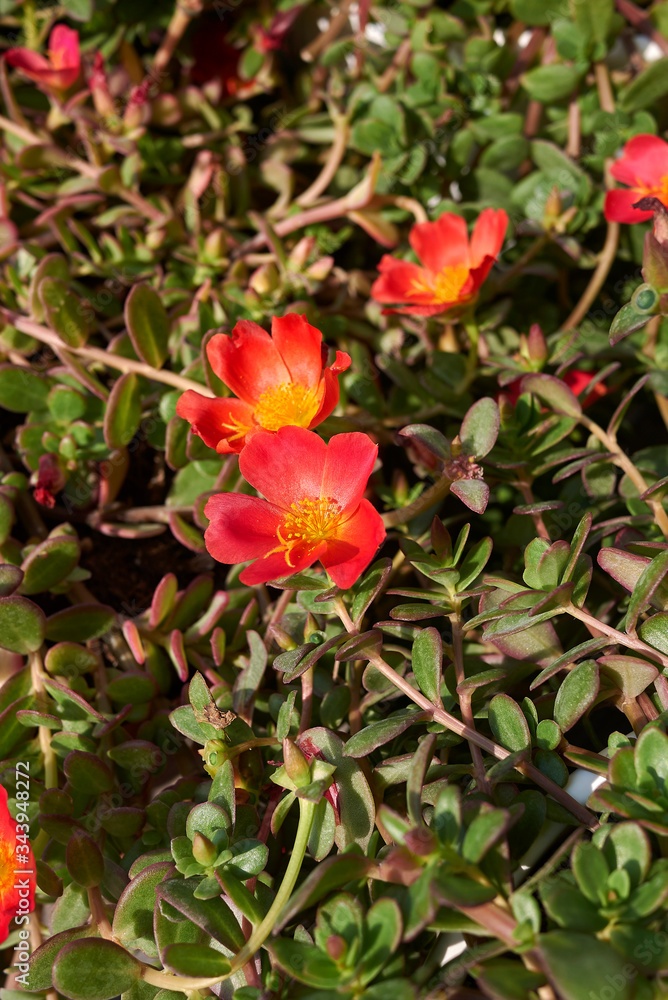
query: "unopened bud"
282, 639
265, 279
310, 626
204, 852
336, 947
301, 252
320, 269
296, 765
536, 345
215, 244
552, 209
456, 446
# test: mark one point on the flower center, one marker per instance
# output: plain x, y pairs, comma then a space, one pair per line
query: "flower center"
286, 405
237, 429
308, 522
445, 285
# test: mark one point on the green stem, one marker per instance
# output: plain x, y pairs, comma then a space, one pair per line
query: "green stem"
263, 930
428, 499
30, 24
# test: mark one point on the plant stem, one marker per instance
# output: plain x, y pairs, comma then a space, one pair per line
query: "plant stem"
107, 358
331, 165
631, 642
428, 499
465, 697
455, 725
183, 984
624, 462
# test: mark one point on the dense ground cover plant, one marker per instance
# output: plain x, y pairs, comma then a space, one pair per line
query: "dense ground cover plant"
333, 598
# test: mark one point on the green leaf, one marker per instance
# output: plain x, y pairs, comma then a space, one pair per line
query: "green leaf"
87, 773
575, 963
536, 12
22, 390
40, 974
207, 819
646, 587
133, 918
306, 963
480, 427
94, 969
651, 755
80, 623
123, 411
327, 876
627, 321
576, 695
591, 871
65, 312
147, 324
378, 733
472, 492
49, 564
551, 83
380, 938
79, 10
196, 960
368, 589
649, 86
213, 915
654, 631
183, 719
427, 662
22, 625
483, 833
84, 860
54, 265
548, 388
629, 673
356, 803
508, 724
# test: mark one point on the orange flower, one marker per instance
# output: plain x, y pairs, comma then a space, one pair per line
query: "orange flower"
17, 891
643, 166
280, 381
61, 67
453, 268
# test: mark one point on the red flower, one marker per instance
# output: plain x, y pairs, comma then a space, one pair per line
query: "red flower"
17, 892
643, 166
62, 65
313, 508
453, 268
280, 380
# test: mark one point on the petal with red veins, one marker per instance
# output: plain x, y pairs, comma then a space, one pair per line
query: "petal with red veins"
276, 565
397, 280
644, 162
618, 206
221, 423
444, 243
240, 527
247, 361
286, 466
355, 545
299, 345
488, 235
349, 463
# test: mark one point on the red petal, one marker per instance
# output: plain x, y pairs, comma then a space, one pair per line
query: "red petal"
397, 280
443, 243
208, 418
644, 162
476, 277
488, 235
329, 399
276, 565
349, 554
32, 63
247, 361
618, 206
341, 363
240, 527
419, 310
285, 467
349, 463
298, 343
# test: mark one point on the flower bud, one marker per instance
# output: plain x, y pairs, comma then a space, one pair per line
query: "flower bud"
204, 852
537, 347
265, 279
296, 765
336, 947
301, 252
282, 639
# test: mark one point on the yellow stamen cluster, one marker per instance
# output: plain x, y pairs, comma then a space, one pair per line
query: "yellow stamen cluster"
238, 429
289, 404
444, 285
309, 522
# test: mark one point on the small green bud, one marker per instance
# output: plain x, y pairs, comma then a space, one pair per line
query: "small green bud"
295, 763
204, 852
